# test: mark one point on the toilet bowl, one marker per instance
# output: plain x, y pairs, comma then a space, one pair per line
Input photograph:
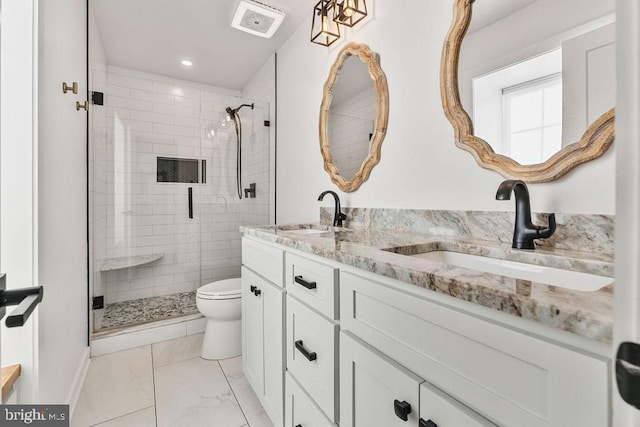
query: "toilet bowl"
219, 302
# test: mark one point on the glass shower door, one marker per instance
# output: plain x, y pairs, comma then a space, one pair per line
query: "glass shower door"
145, 187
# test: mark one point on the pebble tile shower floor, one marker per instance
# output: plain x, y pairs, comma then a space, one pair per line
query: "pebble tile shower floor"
144, 310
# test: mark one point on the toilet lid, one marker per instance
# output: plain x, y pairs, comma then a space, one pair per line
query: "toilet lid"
222, 289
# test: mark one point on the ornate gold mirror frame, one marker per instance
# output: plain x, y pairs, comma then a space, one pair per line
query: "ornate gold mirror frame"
372, 61
593, 144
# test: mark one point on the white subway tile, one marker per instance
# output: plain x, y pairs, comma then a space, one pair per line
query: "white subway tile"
128, 81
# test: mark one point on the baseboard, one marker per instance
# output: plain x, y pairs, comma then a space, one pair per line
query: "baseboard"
150, 333
74, 394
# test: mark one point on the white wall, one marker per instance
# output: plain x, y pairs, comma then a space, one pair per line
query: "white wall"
421, 168
627, 292
62, 202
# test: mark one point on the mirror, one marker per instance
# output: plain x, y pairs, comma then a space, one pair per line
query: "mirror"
529, 85
353, 116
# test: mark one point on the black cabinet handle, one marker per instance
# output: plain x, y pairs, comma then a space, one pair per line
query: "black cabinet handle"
628, 372
299, 425
310, 355
190, 191
428, 423
252, 288
402, 409
257, 292
309, 285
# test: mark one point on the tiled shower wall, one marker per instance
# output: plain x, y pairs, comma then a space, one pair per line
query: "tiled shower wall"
150, 116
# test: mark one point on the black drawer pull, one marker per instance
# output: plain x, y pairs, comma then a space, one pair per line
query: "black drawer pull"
252, 288
429, 423
309, 285
310, 355
402, 409
300, 425
257, 292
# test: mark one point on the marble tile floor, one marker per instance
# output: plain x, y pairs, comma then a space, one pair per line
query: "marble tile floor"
144, 310
167, 385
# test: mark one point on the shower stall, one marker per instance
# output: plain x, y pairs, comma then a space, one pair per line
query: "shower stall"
174, 170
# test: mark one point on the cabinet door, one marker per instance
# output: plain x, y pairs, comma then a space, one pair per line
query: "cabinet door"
374, 390
444, 411
273, 351
252, 333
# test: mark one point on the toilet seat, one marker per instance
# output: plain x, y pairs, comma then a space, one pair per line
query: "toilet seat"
221, 290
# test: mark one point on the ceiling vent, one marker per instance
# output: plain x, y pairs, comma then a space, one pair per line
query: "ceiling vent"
257, 18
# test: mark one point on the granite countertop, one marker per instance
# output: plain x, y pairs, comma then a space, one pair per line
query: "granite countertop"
589, 314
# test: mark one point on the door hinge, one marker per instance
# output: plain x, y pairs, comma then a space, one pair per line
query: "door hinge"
97, 98
98, 302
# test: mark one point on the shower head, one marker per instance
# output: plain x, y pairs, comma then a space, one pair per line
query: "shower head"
232, 111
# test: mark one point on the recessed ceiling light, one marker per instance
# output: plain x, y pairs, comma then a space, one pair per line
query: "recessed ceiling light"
187, 63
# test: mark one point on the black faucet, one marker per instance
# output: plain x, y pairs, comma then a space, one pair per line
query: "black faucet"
338, 216
524, 232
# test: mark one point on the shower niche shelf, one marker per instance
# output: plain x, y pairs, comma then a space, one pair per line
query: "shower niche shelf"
120, 263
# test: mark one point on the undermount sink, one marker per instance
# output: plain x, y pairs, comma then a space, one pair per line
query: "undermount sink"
305, 231
551, 276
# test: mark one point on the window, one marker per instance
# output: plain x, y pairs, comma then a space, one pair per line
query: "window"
532, 123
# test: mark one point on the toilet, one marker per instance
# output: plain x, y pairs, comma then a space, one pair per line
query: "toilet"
219, 302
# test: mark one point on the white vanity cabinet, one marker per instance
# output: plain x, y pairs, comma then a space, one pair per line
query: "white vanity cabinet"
263, 326
361, 350
377, 391
509, 376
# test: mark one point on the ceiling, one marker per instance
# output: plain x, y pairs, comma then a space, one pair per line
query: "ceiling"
486, 12
155, 35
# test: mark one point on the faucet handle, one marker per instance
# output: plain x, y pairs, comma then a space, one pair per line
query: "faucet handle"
546, 232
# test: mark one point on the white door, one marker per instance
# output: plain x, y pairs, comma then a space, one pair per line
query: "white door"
374, 390
627, 236
18, 176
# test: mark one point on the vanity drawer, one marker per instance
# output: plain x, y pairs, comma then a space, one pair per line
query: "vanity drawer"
312, 350
509, 377
442, 410
300, 410
264, 259
314, 283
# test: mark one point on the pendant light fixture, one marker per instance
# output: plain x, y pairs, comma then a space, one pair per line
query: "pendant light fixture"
350, 12
324, 28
